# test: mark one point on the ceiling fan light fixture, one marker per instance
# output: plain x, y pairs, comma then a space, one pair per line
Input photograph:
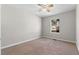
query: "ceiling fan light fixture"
46, 7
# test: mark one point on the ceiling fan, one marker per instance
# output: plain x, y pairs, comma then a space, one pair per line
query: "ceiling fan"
46, 7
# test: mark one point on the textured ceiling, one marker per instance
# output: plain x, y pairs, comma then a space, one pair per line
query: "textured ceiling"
58, 8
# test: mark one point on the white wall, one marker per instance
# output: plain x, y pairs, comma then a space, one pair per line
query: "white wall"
67, 26
18, 25
77, 26
0, 28
0, 21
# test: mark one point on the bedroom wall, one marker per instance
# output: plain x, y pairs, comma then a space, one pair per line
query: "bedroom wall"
18, 25
0, 28
0, 21
77, 26
67, 26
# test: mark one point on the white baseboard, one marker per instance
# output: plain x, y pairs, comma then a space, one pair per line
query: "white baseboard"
61, 40
19, 43
31, 40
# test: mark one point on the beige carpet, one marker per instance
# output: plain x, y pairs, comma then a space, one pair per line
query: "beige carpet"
42, 46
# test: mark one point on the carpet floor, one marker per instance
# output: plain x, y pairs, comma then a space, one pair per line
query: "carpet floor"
42, 46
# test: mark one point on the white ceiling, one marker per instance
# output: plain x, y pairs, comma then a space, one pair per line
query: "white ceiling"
58, 8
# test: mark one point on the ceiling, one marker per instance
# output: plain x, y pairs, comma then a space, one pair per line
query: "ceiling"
58, 8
